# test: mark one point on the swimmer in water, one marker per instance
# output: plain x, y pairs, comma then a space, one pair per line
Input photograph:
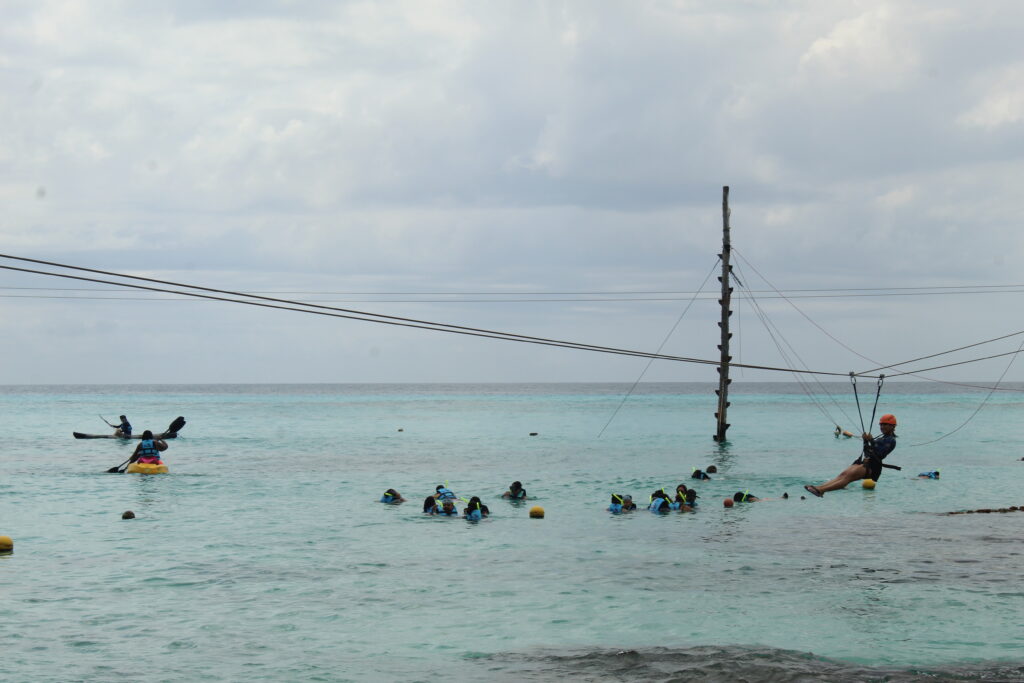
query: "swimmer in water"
515, 491
392, 497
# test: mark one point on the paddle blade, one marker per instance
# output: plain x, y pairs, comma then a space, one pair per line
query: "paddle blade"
116, 469
176, 426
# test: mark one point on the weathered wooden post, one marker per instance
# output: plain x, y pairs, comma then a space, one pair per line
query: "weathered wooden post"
723, 366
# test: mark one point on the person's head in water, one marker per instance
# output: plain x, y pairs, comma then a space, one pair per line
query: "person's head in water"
711, 469
429, 503
447, 505
147, 434
691, 497
681, 493
516, 487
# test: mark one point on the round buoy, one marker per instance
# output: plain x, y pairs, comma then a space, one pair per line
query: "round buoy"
868, 483
127, 514
537, 512
727, 502
6, 544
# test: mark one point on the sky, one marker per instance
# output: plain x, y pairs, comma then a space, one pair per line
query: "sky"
551, 169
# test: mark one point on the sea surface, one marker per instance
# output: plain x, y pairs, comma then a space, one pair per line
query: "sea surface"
265, 555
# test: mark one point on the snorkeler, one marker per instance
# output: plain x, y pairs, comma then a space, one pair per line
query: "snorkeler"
442, 492
744, 497
660, 502
392, 497
622, 503
475, 510
515, 492
444, 508
869, 464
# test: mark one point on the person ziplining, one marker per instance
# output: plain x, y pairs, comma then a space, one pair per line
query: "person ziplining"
870, 463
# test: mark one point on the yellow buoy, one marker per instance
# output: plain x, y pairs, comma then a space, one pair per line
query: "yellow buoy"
868, 483
537, 512
6, 544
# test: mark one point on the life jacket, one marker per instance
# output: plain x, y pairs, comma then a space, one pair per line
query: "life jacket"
521, 493
474, 515
934, 474
148, 452
387, 498
659, 505
615, 507
445, 493
439, 510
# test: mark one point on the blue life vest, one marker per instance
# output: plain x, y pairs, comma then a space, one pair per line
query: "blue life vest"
615, 507
934, 474
126, 428
453, 513
659, 505
386, 498
148, 450
474, 515
445, 494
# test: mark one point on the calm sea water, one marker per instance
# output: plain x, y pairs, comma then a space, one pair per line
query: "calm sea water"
265, 555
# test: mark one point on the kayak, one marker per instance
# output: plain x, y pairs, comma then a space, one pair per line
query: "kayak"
147, 468
170, 433
164, 435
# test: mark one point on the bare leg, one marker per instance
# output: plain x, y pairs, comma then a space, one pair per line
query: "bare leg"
845, 478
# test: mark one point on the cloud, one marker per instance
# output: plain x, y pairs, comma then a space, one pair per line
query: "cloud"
457, 146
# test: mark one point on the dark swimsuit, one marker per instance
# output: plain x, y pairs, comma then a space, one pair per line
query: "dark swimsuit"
874, 453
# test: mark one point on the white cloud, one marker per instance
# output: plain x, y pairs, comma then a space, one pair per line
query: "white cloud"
510, 146
1002, 101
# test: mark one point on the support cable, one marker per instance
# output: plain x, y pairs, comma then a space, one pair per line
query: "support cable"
663, 342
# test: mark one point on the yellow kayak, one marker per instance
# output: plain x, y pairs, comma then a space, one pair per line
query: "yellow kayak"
147, 468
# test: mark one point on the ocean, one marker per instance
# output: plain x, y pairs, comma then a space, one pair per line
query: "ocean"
265, 554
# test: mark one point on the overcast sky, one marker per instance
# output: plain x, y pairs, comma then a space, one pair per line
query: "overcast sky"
511, 166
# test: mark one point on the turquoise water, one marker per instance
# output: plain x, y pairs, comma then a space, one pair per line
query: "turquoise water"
265, 556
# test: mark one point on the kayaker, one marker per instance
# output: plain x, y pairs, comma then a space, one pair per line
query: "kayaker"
869, 464
149, 449
124, 429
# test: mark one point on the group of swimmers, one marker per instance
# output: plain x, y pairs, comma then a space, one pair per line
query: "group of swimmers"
684, 500
442, 501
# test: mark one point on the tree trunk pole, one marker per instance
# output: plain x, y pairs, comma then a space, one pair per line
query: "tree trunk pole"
723, 367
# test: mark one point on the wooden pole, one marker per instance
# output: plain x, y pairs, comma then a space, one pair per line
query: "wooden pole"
723, 347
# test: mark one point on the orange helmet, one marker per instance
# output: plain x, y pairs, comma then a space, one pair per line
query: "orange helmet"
887, 419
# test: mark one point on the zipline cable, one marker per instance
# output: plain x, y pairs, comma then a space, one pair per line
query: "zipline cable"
400, 322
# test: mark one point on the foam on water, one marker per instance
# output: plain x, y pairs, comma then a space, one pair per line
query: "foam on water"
265, 555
